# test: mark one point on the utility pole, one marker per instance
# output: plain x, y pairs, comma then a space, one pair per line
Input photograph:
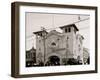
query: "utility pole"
67, 49
44, 36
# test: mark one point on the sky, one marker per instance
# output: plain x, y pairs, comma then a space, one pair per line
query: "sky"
34, 22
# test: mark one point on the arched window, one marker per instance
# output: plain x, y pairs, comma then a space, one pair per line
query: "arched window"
54, 44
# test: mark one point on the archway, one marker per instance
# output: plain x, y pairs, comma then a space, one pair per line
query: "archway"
53, 61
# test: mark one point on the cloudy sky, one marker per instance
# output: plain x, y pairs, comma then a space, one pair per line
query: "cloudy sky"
34, 22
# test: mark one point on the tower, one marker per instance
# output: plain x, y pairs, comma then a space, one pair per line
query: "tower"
40, 45
69, 32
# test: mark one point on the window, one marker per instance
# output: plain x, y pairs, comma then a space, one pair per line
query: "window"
69, 30
58, 39
40, 34
74, 30
54, 44
67, 42
65, 30
67, 38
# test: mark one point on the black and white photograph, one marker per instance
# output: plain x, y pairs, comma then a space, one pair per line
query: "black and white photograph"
57, 39
52, 39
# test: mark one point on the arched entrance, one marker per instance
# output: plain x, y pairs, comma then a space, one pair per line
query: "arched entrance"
53, 61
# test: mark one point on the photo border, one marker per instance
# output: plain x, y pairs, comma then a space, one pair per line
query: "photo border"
15, 32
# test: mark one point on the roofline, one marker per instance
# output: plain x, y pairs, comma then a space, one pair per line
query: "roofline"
69, 25
39, 32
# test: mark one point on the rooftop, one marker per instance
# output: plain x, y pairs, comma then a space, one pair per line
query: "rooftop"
39, 32
69, 25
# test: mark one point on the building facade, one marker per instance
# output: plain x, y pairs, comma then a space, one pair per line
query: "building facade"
59, 48
30, 57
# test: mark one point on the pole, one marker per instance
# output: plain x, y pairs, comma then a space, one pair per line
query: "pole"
43, 29
67, 49
44, 50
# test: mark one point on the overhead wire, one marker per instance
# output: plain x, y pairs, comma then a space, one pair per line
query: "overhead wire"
58, 27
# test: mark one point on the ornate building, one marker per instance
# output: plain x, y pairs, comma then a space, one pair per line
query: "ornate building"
59, 48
